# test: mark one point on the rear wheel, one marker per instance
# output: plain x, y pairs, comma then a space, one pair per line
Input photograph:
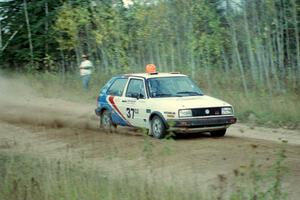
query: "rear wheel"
218, 133
105, 121
158, 128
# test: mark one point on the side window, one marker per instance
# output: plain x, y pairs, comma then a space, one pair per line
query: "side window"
117, 88
136, 87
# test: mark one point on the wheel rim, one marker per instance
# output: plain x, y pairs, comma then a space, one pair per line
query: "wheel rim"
156, 127
106, 123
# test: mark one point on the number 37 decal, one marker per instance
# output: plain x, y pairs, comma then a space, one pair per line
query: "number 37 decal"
131, 111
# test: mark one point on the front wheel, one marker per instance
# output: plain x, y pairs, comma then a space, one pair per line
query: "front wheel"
158, 128
218, 133
105, 121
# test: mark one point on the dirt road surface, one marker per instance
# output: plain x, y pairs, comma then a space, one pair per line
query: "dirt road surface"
58, 129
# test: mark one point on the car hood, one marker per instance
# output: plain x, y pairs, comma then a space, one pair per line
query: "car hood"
190, 102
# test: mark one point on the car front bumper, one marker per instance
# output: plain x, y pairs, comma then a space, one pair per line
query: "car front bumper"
200, 124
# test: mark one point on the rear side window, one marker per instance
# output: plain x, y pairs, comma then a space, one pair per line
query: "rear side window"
117, 88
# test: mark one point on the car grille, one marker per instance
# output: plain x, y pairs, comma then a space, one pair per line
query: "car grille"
206, 111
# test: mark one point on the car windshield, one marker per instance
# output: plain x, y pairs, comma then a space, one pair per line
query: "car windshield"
178, 86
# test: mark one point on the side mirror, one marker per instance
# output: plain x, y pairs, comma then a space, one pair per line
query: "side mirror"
135, 95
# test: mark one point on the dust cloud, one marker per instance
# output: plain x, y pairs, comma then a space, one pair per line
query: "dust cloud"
20, 104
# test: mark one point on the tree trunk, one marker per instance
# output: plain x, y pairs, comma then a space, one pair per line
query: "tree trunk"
206, 66
10, 38
63, 69
0, 34
164, 56
88, 43
191, 59
238, 57
178, 52
249, 48
46, 28
104, 60
158, 55
172, 57
192, 63
265, 67
295, 22
271, 63
78, 57
279, 45
225, 60
28, 31
259, 57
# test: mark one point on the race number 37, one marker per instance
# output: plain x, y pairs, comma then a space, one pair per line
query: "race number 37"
130, 112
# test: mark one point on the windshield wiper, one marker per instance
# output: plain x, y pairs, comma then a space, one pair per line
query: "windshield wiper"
163, 95
190, 92
166, 95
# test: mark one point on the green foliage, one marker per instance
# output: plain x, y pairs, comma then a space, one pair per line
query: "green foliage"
70, 21
257, 40
17, 54
255, 183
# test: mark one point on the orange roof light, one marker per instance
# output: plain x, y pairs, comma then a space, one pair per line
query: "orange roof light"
150, 68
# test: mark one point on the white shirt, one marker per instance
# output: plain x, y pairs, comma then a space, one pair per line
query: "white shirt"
86, 67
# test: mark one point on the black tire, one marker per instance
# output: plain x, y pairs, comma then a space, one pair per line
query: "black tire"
158, 128
218, 133
105, 121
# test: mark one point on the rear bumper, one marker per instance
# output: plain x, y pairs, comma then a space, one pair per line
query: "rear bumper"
201, 124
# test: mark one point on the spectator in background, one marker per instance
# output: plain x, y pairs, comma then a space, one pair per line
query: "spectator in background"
85, 68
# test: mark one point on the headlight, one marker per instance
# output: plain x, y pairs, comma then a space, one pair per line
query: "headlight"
227, 111
185, 113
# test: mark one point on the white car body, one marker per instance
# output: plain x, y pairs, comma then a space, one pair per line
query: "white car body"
127, 108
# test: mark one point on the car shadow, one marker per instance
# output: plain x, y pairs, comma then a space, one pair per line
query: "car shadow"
190, 136
136, 132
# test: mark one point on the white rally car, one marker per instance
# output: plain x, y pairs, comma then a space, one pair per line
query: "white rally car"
162, 102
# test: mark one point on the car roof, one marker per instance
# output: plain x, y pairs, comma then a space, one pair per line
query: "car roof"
154, 75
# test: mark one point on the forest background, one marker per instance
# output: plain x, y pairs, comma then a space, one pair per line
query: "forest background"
244, 51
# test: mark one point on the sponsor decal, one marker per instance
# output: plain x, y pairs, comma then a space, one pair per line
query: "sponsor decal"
170, 113
170, 116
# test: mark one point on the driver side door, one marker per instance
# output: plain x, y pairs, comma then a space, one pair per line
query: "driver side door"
134, 103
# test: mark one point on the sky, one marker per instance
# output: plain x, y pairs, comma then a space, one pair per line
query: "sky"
127, 2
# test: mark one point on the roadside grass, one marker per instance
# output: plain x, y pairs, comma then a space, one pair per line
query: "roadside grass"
276, 111
28, 178
259, 107
253, 182
68, 87
31, 178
